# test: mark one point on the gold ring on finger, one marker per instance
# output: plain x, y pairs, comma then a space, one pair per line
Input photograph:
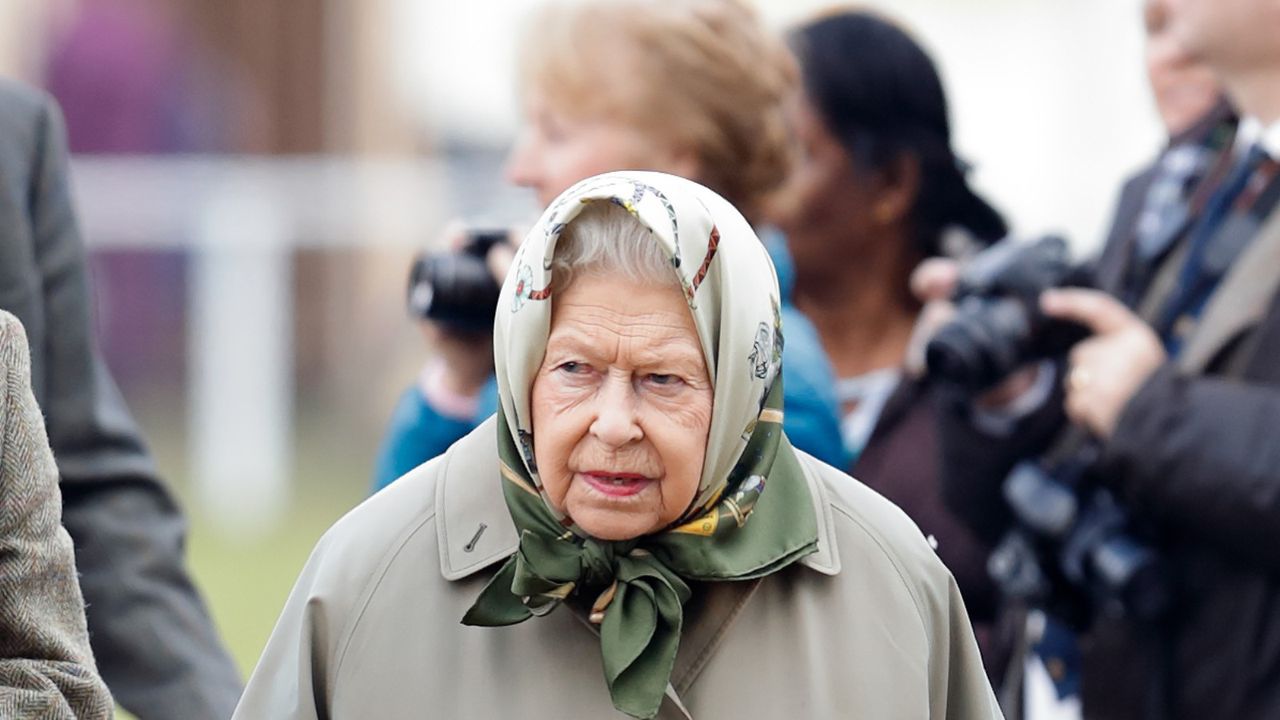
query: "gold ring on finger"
1079, 378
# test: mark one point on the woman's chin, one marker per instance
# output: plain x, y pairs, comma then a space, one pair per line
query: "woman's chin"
611, 522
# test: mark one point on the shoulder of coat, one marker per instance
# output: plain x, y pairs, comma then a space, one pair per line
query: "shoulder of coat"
871, 532
25, 113
13, 343
16, 96
11, 328
358, 550
408, 515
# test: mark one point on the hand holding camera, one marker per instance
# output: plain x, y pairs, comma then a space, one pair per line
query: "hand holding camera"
1011, 294
1073, 547
1107, 368
934, 283
454, 295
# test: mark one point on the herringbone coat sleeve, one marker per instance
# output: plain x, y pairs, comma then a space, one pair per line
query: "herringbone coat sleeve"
46, 666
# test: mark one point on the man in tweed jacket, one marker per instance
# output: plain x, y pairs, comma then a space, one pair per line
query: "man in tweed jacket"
46, 667
154, 640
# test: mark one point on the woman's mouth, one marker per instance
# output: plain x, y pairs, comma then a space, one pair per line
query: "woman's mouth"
615, 484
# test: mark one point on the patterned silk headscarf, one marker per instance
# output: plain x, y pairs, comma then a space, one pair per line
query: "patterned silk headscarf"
733, 530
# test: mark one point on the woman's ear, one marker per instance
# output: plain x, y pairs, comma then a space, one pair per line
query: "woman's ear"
683, 162
899, 185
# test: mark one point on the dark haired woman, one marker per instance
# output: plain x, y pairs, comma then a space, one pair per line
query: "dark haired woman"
876, 189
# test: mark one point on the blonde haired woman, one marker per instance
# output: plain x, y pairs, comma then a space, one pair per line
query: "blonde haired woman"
693, 88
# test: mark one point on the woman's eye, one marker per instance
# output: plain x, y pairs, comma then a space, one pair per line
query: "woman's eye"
572, 367
663, 380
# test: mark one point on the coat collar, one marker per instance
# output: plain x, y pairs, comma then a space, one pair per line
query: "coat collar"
475, 529
1240, 302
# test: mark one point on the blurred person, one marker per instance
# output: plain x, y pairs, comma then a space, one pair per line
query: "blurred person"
1198, 121
155, 643
632, 533
46, 665
454, 390
689, 87
1151, 212
1178, 388
874, 191
1184, 88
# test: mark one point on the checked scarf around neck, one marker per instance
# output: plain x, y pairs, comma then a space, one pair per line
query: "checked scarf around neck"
733, 530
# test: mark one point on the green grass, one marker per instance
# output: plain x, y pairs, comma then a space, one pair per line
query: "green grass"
246, 583
245, 580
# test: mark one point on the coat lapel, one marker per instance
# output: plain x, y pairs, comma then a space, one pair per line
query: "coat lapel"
707, 619
474, 527
1240, 302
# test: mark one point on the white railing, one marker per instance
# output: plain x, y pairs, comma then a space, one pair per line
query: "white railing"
241, 217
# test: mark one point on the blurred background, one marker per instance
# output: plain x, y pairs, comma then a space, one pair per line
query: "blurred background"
253, 179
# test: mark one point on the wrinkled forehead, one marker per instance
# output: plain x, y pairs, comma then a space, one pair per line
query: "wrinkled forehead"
608, 317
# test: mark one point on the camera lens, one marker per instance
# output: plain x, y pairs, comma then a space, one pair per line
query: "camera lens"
956, 356
454, 289
985, 342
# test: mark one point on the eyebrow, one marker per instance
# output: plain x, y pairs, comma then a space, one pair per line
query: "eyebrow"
685, 351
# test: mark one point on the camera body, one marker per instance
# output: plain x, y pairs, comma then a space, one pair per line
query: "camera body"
998, 325
456, 289
1073, 549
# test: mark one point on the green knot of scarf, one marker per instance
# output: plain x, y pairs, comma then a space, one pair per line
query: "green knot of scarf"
639, 607
637, 588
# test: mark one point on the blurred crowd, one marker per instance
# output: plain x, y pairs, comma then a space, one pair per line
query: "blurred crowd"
1089, 445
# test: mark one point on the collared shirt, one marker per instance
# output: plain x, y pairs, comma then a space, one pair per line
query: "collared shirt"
1252, 131
1254, 143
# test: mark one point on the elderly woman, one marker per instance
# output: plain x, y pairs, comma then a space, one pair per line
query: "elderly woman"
632, 532
695, 88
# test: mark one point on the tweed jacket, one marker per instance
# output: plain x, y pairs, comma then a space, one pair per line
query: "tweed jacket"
154, 640
46, 667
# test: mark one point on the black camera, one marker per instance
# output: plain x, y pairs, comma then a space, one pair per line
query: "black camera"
456, 289
1073, 549
998, 325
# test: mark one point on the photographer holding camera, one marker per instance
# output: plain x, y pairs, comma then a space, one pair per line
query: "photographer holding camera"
451, 296
1152, 521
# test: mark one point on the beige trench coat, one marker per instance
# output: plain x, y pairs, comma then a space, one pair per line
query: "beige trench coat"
871, 626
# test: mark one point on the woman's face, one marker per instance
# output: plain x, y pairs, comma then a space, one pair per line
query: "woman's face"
825, 202
556, 148
621, 406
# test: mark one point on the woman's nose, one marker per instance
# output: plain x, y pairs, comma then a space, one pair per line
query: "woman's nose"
616, 423
520, 167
